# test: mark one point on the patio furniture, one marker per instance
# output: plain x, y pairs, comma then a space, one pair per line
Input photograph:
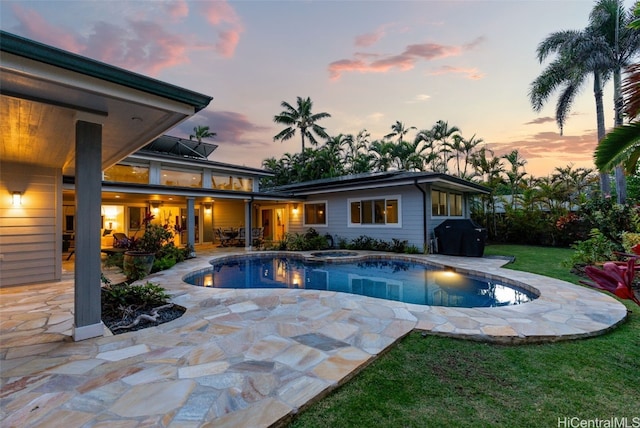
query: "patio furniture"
121, 240
257, 236
227, 236
242, 232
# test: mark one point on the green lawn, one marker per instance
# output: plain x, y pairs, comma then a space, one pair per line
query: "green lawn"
436, 382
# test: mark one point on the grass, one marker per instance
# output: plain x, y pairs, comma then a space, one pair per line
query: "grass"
436, 381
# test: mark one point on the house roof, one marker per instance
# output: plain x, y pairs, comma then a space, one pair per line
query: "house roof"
185, 160
45, 90
381, 179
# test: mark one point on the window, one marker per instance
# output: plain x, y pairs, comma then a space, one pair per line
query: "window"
446, 204
228, 182
127, 174
315, 213
383, 211
456, 204
169, 177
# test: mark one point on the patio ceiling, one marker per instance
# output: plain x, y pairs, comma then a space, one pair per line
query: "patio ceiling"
44, 90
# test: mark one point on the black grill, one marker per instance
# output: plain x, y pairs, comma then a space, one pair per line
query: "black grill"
460, 237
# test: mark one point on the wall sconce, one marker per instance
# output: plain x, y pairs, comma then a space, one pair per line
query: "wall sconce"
155, 207
295, 208
207, 208
16, 199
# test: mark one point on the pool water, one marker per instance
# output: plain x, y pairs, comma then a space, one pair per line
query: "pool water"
385, 279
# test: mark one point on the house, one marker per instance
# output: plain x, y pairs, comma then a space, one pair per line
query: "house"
84, 155
387, 205
173, 179
66, 115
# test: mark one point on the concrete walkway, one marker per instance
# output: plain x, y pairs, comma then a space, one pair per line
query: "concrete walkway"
245, 358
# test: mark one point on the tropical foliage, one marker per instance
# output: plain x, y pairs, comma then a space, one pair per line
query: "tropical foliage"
200, 132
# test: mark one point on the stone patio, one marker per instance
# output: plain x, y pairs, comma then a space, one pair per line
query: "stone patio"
245, 358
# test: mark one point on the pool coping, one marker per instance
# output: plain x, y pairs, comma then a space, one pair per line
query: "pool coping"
562, 311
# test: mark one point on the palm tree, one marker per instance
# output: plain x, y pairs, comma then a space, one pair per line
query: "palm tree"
300, 118
620, 42
399, 130
622, 145
567, 74
442, 132
383, 155
200, 132
514, 174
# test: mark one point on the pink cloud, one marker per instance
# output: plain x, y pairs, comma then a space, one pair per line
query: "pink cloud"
34, 26
226, 45
221, 14
403, 61
146, 48
178, 9
230, 128
553, 147
471, 73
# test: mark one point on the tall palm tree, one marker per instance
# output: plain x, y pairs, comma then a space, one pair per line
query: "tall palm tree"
399, 130
441, 132
200, 132
620, 41
383, 155
300, 117
515, 174
622, 145
567, 74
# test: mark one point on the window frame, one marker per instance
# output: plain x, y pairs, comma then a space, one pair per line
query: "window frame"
167, 168
373, 199
326, 213
449, 198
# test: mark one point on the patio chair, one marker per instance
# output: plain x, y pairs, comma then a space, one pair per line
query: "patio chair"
223, 237
242, 232
257, 236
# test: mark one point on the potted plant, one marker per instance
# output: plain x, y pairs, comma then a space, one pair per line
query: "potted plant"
139, 258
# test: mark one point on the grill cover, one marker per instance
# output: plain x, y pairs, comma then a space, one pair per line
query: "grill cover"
460, 237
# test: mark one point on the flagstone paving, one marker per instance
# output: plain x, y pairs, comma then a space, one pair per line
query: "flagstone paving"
245, 358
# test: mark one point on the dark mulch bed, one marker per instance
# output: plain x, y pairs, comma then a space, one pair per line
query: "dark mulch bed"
111, 320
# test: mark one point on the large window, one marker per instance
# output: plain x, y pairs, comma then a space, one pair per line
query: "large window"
171, 177
127, 174
229, 182
315, 213
446, 204
382, 211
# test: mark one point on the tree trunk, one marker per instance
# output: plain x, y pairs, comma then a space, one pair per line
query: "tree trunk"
605, 184
621, 182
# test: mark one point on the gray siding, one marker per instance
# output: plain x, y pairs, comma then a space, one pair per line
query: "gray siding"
411, 212
30, 235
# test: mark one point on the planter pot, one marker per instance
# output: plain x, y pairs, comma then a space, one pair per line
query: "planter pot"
136, 264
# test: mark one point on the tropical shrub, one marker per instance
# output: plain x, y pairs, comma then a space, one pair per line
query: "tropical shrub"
116, 297
597, 249
615, 277
630, 240
611, 218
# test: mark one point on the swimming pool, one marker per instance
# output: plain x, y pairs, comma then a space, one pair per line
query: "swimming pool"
390, 279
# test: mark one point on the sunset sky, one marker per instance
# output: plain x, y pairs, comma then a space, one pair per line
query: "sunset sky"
367, 63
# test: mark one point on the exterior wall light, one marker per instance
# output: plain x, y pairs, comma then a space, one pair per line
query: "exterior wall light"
295, 208
16, 199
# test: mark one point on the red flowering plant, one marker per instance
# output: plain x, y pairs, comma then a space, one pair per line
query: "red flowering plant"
616, 277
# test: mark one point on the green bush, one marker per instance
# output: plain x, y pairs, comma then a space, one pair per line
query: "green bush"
610, 218
367, 243
597, 249
163, 263
145, 296
630, 239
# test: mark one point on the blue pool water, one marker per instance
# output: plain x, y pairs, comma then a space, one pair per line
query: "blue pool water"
386, 279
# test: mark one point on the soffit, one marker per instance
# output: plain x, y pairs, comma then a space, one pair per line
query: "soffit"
40, 103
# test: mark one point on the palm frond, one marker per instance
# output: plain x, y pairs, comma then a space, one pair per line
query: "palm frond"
618, 146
